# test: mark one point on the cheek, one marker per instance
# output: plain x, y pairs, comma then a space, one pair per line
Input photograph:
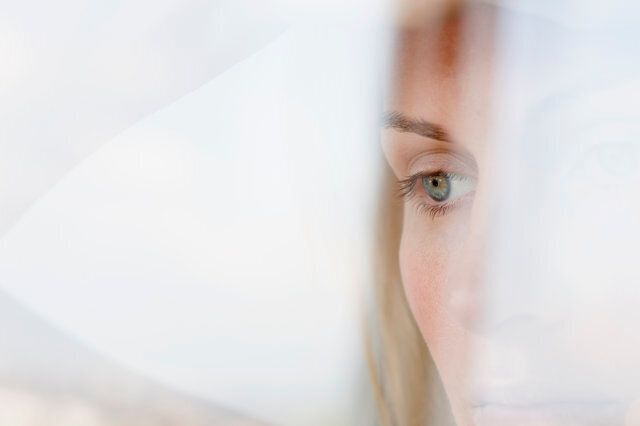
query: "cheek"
424, 260
427, 251
429, 255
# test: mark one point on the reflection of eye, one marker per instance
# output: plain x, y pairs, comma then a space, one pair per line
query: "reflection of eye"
604, 153
441, 191
619, 159
606, 164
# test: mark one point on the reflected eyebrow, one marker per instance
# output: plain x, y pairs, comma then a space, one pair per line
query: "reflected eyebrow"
398, 121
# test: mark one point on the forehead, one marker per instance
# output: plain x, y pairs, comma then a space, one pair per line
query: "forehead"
480, 69
450, 69
443, 68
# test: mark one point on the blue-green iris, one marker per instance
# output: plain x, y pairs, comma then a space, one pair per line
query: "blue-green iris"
438, 187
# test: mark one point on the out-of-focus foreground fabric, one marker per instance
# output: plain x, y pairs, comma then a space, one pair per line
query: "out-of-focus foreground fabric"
184, 188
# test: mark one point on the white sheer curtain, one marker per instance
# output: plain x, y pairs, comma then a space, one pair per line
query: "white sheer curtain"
185, 186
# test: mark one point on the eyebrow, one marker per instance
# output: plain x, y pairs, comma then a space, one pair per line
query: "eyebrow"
402, 123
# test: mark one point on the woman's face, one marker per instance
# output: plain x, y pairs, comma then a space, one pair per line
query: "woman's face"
436, 146
438, 143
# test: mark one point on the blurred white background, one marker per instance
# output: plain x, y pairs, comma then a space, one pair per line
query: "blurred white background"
220, 244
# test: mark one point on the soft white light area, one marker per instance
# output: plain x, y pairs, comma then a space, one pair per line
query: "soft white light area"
560, 290
220, 245
582, 14
76, 73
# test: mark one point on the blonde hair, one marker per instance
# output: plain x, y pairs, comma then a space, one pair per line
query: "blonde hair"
405, 382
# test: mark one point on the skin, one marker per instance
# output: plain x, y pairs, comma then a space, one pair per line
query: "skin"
440, 120
441, 299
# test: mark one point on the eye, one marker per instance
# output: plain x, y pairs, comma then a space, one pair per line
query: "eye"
438, 187
442, 186
442, 191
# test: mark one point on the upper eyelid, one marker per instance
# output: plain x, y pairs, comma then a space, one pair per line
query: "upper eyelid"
444, 159
408, 153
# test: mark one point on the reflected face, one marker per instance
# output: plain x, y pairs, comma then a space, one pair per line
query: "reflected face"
439, 143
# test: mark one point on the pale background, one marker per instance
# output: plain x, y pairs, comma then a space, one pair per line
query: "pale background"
219, 245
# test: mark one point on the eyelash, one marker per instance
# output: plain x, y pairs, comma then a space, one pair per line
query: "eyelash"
407, 191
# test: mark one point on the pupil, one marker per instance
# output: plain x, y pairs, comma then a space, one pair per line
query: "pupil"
434, 182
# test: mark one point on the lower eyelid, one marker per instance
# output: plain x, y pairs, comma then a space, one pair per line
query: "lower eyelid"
435, 209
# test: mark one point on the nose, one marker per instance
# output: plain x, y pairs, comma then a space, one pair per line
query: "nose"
467, 276
502, 271
469, 261
522, 279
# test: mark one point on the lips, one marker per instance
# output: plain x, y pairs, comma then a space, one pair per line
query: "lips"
544, 400
551, 413
532, 373
538, 403
538, 394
